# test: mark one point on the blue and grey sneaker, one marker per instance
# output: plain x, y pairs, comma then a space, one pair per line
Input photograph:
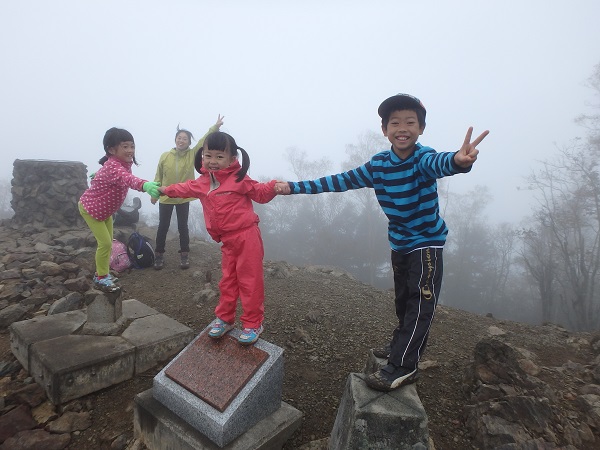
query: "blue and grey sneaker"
105, 284
218, 328
250, 335
109, 275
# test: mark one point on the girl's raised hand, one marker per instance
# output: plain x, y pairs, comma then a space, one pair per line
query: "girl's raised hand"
467, 154
219, 121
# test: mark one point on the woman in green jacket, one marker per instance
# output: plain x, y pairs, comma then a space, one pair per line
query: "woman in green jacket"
177, 166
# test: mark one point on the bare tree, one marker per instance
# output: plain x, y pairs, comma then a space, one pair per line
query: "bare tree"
562, 250
347, 230
468, 251
539, 257
568, 194
499, 268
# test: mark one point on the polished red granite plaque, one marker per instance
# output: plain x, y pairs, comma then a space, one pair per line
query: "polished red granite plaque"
216, 370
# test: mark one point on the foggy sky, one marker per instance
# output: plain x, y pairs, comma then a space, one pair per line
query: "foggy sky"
304, 74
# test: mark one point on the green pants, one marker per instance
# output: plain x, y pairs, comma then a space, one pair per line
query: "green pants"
103, 232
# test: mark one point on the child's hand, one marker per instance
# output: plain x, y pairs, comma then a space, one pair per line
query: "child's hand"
467, 154
153, 200
282, 188
151, 187
219, 121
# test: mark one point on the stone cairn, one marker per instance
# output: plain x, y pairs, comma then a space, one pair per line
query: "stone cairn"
45, 193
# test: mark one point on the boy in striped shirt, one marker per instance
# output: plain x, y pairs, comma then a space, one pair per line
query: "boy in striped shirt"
404, 179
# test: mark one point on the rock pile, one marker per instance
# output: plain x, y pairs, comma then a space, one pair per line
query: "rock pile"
42, 271
513, 401
512, 407
45, 193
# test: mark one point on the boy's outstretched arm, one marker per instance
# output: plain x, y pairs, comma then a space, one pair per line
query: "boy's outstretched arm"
467, 154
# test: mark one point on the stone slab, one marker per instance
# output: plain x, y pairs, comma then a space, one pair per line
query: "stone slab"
134, 309
216, 370
368, 419
159, 428
27, 332
156, 338
260, 397
69, 367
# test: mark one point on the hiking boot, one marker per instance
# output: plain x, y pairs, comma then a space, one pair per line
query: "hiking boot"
185, 260
218, 328
390, 377
382, 352
250, 335
159, 261
105, 284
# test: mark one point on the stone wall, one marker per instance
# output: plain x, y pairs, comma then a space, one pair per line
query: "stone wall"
45, 193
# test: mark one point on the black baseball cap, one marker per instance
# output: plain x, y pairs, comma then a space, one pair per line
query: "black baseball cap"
398, 102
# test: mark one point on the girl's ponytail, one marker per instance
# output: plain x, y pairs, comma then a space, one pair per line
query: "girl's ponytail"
245, 165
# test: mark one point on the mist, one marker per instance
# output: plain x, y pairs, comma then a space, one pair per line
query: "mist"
308, 75
305, 78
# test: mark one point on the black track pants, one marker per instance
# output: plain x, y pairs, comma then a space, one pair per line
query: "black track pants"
417, 283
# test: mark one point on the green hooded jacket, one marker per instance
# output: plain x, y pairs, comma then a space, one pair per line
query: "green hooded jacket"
177, 166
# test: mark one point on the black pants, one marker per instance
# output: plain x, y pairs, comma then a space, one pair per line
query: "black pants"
165, 212
417, 283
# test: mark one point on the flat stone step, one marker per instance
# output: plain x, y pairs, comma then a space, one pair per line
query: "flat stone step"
27, 332
70, 367
68, 363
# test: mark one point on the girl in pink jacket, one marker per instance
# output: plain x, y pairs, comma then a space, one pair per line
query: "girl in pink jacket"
226, 193
105, 196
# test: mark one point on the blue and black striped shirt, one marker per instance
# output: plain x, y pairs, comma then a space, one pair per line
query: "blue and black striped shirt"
405, 189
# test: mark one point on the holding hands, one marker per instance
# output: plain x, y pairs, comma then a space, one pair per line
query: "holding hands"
282, 188
467, 154
151, 187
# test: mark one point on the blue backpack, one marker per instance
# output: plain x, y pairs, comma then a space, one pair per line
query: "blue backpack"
140, 251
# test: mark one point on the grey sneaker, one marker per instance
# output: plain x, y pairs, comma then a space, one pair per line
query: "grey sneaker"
391, 377
185, 260
382, 352
159, 261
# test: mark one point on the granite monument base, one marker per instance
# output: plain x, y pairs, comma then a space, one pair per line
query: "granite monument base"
221, 390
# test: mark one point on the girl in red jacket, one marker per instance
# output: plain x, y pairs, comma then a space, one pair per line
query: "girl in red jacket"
105, 196
226, 193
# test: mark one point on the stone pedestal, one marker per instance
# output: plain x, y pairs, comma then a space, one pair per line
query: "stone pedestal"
104, 313
222, 391
368, 419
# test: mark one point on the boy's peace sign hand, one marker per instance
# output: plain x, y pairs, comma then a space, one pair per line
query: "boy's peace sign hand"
467, 154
